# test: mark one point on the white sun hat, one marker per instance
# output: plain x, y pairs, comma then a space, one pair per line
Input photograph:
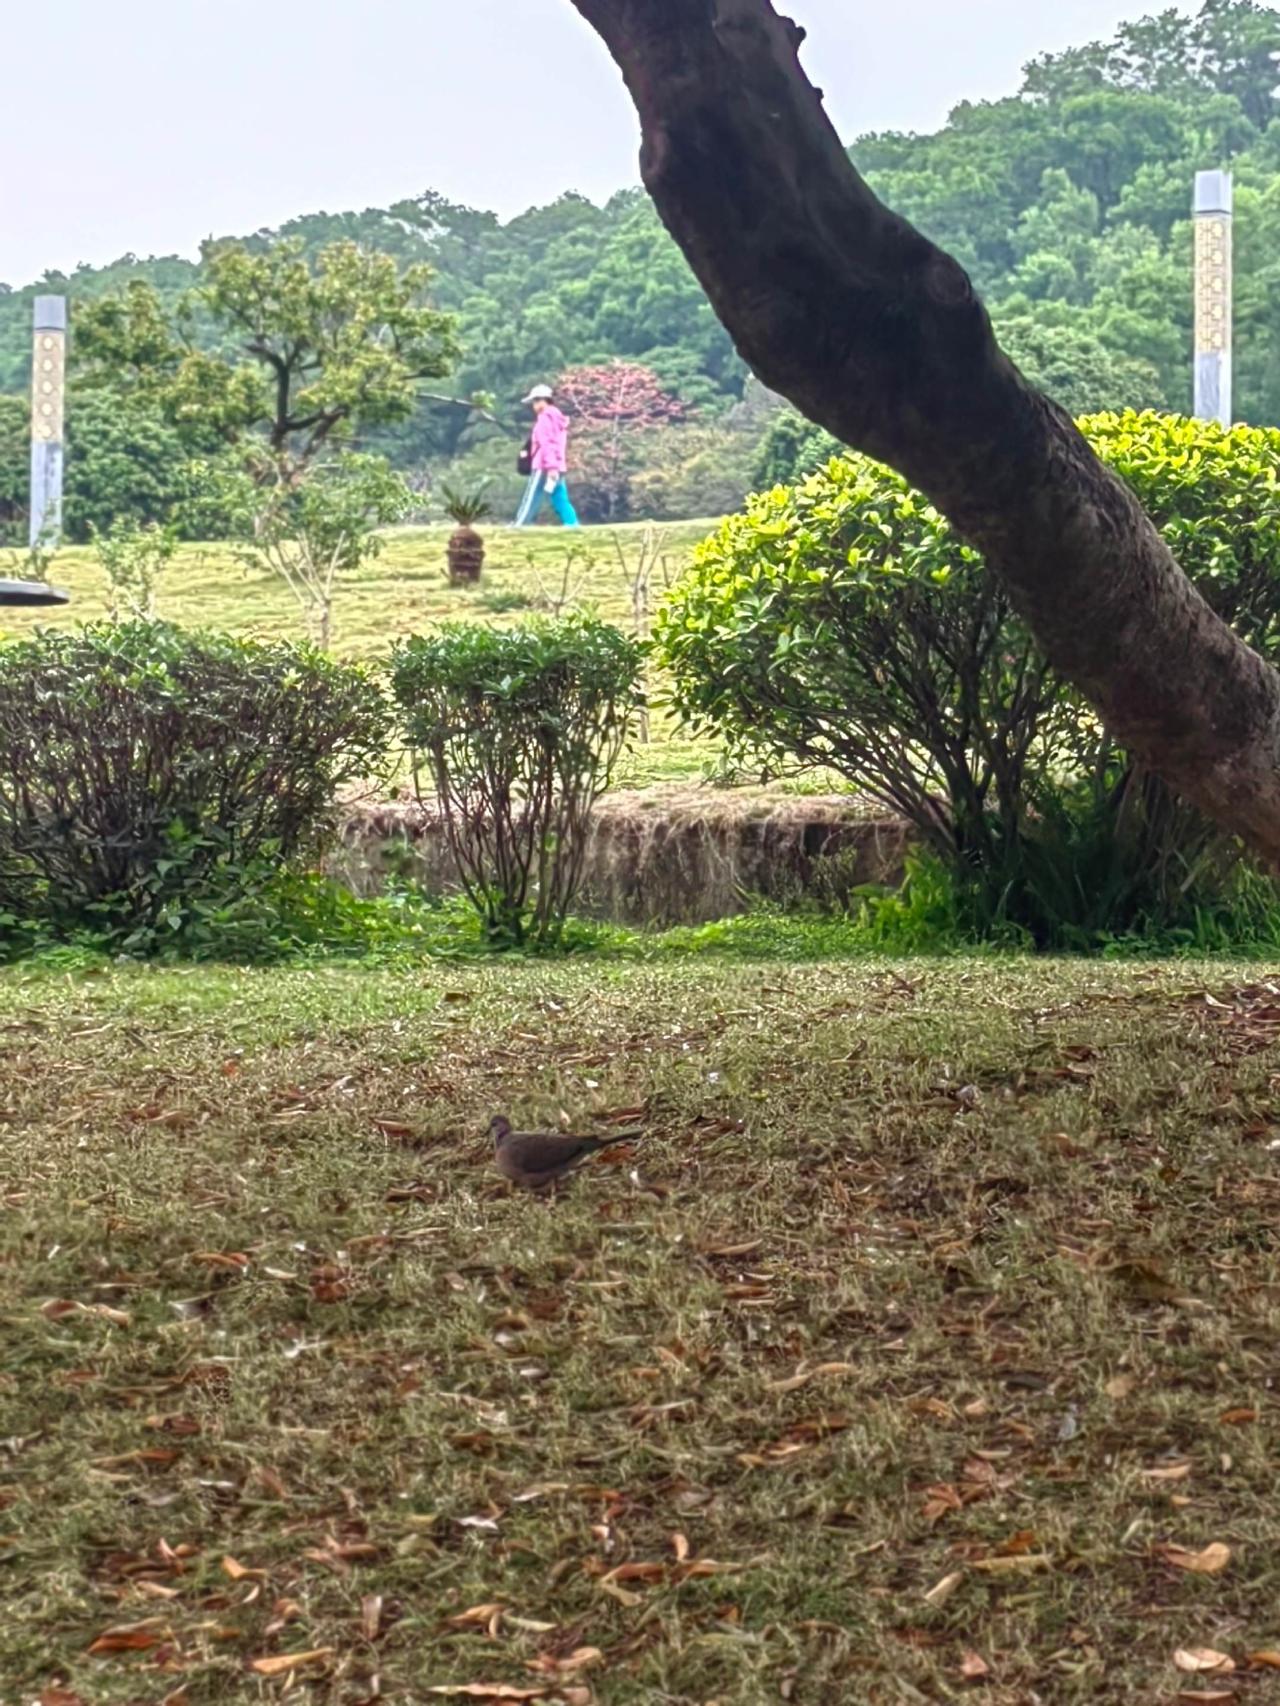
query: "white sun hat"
539, 394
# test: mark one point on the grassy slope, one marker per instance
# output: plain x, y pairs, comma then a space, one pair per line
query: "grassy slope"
403, 590
945, 1282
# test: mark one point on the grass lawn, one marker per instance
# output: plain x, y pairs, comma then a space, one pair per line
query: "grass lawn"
404, 590
925, 1348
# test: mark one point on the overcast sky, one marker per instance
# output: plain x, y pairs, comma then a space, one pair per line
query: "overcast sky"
147, 125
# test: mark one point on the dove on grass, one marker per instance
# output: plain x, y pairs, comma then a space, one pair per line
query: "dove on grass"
538, 1160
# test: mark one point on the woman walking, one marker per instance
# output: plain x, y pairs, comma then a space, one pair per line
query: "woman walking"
547, 454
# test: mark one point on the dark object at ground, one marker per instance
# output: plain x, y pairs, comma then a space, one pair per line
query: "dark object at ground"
31, 592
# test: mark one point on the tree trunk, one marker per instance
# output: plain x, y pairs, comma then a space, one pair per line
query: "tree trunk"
871, 330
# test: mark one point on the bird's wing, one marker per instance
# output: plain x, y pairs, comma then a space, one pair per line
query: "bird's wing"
538, 1152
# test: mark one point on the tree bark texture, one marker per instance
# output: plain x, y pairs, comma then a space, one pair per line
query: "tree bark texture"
874, 332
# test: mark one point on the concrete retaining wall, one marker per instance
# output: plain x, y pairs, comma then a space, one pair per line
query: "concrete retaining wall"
672, 855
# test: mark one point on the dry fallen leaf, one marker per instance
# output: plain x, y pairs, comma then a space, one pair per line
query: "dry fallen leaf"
581, 1658
488, 1616
285, 1611
942, 1591
803, 1376
1121, 1385
1203, 1697
280, 1664
371, 1616
61, 1697
1204, 1660
156, 1457
240, 1572
1209, 1562
489, 1691
640, 1571
1017, 1545
973, 1667
1167, 1472
135, 1638
939, 1500
680, 1546
58, 1308
706, 1567
1266, 1660
1025, 1563
1239, 1418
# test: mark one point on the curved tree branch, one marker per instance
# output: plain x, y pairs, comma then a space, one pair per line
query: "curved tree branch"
871, 330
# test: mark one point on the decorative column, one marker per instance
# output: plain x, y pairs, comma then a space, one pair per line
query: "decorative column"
48, 388
1213, 211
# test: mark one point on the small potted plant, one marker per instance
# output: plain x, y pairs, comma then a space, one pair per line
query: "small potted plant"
466, 547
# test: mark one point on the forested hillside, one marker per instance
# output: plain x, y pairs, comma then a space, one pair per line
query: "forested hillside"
1068, 202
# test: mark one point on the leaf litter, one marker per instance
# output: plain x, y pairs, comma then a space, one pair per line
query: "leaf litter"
832, 1364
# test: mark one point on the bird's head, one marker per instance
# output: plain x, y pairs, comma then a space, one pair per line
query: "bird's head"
499, 1127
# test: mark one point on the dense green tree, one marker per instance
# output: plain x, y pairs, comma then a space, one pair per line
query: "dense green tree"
15, 478
125, 463
1238, 42
1068, 203
1077, 369
304, 352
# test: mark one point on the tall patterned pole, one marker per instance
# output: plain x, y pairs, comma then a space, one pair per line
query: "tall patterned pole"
1213, 211
48, 387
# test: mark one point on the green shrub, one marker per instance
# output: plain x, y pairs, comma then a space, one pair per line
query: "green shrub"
841, 623
133, 557
153, 777
1215, 496
519, 730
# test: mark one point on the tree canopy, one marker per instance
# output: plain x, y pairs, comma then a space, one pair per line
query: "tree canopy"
876, 333
1068, 203
273, 347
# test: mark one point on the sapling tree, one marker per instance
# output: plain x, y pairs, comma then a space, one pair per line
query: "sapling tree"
311, 530
133, 557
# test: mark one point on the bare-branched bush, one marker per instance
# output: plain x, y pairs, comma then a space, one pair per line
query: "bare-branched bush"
150, 772
517, 731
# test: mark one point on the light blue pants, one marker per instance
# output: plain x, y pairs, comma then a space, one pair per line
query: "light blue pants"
535, 495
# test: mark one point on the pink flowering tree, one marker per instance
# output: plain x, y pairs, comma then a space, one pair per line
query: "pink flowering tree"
612, 407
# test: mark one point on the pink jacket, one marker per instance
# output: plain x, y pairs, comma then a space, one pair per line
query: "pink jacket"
550, 442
